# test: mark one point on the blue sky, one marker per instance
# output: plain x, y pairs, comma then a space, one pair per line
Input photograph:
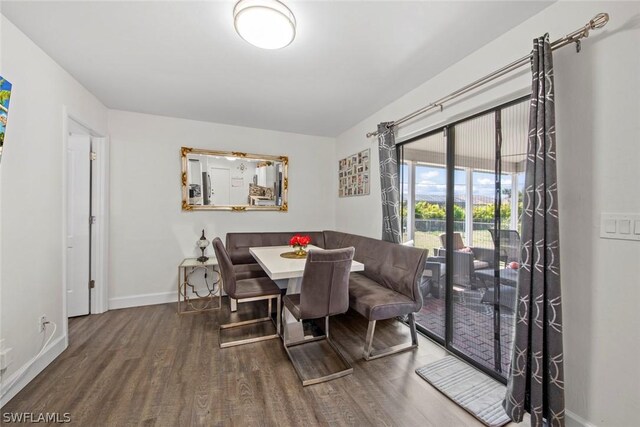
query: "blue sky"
432, 180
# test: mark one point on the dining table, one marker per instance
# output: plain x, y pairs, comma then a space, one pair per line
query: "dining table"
287, 274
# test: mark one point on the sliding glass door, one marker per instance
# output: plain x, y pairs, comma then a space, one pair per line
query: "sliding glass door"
462, 189
424, 195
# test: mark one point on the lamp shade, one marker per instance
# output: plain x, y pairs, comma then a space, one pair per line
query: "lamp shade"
202, 242
267, 24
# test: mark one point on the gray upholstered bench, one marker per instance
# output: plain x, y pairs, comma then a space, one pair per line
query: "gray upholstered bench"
387, 288
238, 245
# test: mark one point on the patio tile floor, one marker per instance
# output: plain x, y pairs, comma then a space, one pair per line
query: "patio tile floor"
472, 327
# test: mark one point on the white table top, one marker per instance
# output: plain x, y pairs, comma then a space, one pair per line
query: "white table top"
285, 268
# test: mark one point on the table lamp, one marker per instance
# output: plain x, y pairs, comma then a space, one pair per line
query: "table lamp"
202, 243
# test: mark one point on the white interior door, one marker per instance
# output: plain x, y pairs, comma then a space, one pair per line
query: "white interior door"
78, 228
220, 186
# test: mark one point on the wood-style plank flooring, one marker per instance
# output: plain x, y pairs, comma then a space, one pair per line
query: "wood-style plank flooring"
151, 366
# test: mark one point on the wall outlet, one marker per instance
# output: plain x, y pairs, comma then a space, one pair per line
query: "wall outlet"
42, 323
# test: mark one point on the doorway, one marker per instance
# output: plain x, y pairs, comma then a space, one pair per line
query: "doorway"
79, 225
85, 221
462, 187
219, 182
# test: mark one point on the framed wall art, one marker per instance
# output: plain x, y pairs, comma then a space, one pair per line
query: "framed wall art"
353, 174
5, 94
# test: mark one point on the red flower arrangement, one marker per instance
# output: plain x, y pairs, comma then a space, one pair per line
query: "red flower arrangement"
299, 244
300, 241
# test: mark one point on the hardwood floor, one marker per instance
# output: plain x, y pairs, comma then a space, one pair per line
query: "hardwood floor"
151, 366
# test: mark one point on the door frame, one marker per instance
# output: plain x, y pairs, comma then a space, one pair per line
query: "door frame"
100, 209
449, 135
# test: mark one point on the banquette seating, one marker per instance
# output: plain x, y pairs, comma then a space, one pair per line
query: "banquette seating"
387, 288
238, 244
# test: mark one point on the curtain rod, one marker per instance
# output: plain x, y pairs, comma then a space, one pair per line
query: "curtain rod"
598, 21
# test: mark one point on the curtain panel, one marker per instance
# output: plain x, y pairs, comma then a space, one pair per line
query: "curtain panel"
389, 184
536, 378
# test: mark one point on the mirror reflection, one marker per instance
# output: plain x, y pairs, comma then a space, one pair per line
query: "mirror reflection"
233, 181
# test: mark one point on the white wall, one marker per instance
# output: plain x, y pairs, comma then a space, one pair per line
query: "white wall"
150, 234
32, 195
598, 134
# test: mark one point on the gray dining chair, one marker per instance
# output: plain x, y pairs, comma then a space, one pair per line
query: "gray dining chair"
324, 292
246, 290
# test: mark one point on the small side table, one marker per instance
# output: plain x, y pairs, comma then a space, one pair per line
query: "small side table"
191, 300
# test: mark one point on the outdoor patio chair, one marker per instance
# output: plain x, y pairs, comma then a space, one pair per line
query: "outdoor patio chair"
509, 244
466, 262
458, 243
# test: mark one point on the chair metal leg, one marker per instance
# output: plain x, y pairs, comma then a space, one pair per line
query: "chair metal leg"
250, 322
288, 343
278, 314
285, 330
368, 345
310, 381
412, 329
326, 326
371, 354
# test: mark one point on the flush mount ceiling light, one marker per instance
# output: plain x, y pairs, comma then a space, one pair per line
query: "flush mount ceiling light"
267, 24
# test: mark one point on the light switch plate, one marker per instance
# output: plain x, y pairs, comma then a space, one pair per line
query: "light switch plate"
620, 226
609, 226
624, 226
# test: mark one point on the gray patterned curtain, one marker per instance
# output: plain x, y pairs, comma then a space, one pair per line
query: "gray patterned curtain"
389, 184
536, 380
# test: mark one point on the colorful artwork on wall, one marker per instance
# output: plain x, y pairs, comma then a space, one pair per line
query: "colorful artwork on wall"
5, 94
353, 174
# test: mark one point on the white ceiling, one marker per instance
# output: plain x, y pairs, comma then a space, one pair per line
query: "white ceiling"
184, 59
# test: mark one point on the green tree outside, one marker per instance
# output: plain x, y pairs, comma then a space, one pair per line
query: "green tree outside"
481, 213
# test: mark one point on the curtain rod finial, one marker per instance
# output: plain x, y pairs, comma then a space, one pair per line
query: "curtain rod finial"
599, 21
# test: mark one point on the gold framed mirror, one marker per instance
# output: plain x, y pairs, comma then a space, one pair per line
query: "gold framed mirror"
233, 181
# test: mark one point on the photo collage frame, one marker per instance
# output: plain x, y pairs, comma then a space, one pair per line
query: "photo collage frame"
353, 174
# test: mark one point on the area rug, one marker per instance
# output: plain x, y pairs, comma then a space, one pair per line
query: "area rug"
471, 389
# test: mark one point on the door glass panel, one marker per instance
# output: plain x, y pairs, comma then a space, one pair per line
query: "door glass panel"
491, 150
473, 252
424, 185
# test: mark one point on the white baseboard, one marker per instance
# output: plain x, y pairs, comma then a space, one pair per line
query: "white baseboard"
574, 420
144, 299
53, 350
